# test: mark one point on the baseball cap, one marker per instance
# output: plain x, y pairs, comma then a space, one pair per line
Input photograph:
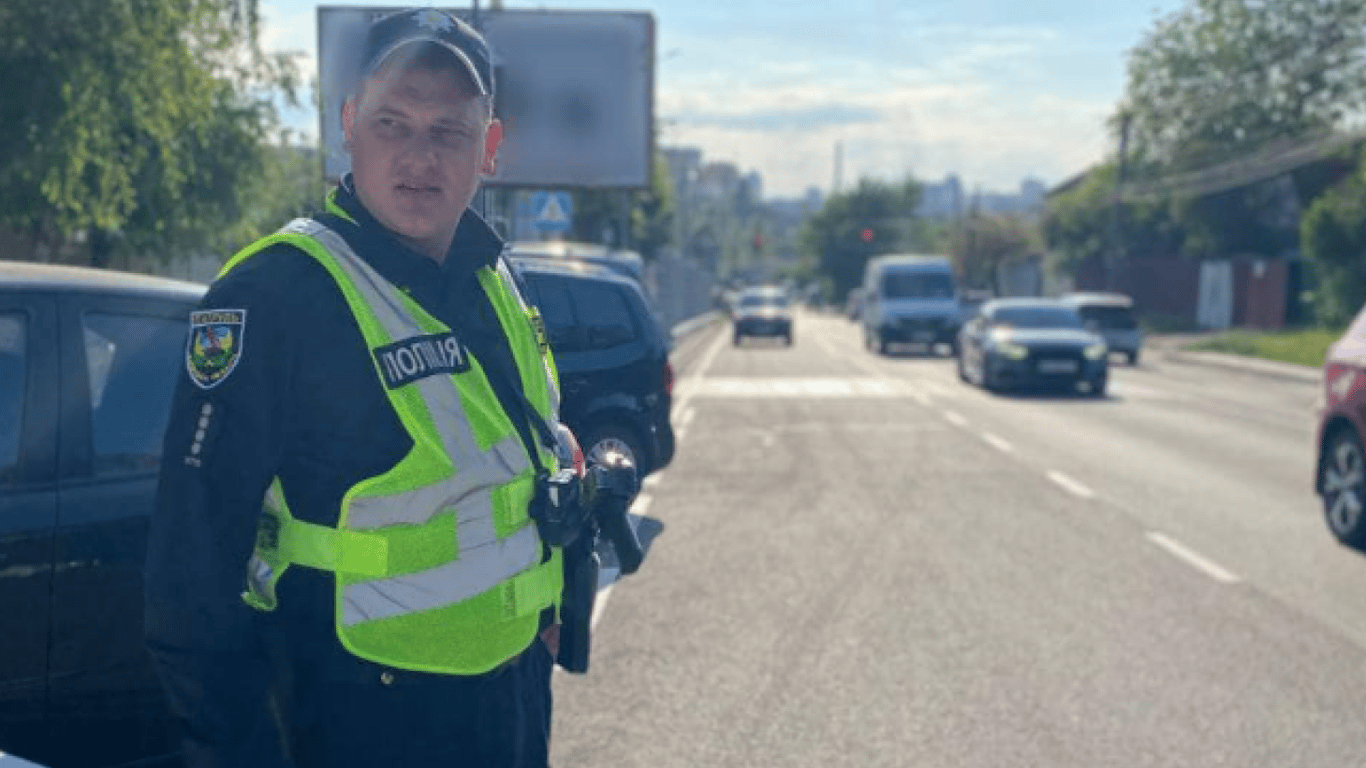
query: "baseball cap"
428, 25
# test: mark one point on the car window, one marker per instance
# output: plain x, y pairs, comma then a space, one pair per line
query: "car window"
917, 285
1109, 318
604, 314
132, 363
13, 369
561, 326
763, 300
1036, 317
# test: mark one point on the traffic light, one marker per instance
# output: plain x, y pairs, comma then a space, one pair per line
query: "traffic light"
866, 235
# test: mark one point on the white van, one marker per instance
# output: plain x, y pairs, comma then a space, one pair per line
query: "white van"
910, 300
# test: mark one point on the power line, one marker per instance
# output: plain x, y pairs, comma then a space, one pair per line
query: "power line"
1266, 163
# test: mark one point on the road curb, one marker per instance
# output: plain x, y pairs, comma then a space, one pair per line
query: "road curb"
1271, 368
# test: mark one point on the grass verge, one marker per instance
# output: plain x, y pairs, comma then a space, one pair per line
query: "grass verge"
1303, 347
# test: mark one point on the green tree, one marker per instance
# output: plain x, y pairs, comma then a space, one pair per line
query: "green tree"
140, 122
598, 213
1079, 224
1333, 237
652, 217
1221, 78
872, 219
988, 241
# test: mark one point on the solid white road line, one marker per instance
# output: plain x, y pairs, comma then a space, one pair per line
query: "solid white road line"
1193, 558
999, 443
955, 418
1071, 486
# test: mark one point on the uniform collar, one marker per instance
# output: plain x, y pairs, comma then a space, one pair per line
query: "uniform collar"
475, 243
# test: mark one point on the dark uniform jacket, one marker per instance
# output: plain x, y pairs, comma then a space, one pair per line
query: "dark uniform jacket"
303, 402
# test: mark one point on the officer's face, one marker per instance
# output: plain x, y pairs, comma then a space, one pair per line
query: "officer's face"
419, 139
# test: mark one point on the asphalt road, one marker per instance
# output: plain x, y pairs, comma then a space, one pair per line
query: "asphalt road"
861, 561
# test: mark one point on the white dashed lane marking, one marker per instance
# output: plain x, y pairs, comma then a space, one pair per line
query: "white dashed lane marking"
1071, 486
955, 418
999, 443
1192, 558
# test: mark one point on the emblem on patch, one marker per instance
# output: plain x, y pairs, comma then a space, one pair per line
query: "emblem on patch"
215, 345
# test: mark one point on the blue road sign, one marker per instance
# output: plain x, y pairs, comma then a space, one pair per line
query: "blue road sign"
552, 210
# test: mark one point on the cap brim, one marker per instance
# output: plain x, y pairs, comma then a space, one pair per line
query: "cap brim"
454, 49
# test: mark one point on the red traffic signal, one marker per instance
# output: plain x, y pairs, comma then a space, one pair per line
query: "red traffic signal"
866, 235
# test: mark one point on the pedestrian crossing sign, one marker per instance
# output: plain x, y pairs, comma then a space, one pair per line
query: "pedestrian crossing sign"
553, 210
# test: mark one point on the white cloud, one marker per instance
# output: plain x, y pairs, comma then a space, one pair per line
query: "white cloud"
970, 100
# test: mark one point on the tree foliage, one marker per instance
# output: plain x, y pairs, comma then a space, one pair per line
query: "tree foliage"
1220, 78
1078, 224
598, 213
833, 237
1333, 237
988, 241
140, 122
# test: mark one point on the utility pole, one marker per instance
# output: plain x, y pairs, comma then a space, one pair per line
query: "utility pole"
1117, 255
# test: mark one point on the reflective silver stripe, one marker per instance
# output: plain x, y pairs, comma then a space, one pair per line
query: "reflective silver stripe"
442, 399
477, 571
472, 485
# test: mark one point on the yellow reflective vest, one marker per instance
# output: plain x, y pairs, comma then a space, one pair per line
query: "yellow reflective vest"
438, 564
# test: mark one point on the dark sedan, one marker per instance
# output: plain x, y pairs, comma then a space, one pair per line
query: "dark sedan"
1015, 343
88, 363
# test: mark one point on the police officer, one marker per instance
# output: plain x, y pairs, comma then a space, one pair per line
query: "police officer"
343, 569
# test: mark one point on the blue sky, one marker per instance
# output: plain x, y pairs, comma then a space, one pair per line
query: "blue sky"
995, 90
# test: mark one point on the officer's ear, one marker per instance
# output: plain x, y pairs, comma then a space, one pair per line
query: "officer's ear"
492, 139
348, 120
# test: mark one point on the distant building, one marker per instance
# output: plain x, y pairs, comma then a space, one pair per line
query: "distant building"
814, 199
718, 181
943, 200
947, 200
752, 186
684, 166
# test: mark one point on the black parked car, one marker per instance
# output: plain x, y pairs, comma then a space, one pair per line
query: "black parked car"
1031, 342
612, 355
88, 364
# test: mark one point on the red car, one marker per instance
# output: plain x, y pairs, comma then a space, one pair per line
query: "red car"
1341, 476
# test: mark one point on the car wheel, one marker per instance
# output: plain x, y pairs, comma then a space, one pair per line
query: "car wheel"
1098, 387
1343, 480
962, 372
884, 347
788, 339
619, 438
1133, 358
735, 341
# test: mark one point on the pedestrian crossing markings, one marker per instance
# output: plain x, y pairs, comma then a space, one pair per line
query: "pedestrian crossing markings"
744, 387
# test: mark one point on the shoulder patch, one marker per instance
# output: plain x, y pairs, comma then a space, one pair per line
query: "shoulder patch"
215, 345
